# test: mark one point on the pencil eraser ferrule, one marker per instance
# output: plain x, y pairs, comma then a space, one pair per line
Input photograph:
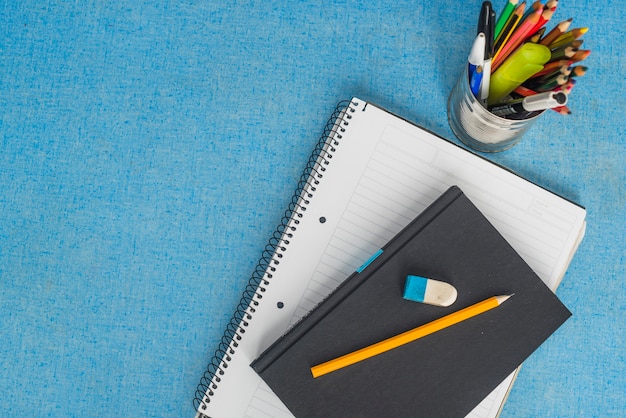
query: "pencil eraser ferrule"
432, 292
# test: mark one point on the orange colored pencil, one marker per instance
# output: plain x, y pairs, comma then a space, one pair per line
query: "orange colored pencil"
408, 336
563, 110
580, 55
524, 91
578, 71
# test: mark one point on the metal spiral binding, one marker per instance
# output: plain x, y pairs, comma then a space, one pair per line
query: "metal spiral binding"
273, 252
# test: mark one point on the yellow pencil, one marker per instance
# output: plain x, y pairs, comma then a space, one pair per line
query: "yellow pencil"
408, 336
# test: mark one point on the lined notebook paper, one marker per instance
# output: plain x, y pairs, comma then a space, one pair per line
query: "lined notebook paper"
374, 174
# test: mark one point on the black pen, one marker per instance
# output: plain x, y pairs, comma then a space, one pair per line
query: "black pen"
536, 102
486, 25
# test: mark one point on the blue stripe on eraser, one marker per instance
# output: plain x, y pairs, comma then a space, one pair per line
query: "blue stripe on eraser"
415, 288
369, 261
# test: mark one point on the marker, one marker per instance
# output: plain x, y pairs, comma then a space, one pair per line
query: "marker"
477, 53
525, 92
486, 25
429, 291
408, 336
475, 81
541, 101
521, 65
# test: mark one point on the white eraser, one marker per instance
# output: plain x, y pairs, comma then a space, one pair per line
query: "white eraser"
432, 292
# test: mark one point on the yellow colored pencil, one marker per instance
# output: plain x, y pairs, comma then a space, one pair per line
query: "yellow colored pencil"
408, 336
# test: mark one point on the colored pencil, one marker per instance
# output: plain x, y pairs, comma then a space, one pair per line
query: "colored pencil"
408, 336
551, 5
516, 39
509, 29
563, 110
578, 71
544, 18
557, 31
536, 5
552, 67
537, 36
541, 79
580, 55
568, 37
567, 87
504, 17
576, 44
551, 83
563, 53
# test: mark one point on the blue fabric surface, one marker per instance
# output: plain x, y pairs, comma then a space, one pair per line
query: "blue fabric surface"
149, 149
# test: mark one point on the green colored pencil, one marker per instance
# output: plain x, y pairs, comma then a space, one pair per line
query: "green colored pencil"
504, 17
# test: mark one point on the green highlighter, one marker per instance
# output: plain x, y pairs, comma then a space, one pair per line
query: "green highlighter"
519, 67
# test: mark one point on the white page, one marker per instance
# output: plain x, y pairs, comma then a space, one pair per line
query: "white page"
385, 172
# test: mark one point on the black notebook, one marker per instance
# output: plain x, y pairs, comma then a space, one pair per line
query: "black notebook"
445, 374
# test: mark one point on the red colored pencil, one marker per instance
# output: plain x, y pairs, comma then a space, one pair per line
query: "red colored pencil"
543, 19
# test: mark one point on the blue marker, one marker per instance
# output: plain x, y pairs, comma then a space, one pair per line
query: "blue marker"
475, 81
477, 54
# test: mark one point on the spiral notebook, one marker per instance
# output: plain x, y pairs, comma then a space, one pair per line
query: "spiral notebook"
371, 173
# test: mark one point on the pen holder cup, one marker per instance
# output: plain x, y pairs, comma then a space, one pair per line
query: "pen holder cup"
478, 128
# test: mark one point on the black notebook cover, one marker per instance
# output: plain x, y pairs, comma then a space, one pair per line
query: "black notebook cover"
445, 374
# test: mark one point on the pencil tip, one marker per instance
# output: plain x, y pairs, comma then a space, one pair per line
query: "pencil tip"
504, 298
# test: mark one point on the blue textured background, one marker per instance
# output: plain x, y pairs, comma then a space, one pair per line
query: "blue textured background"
149, 149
